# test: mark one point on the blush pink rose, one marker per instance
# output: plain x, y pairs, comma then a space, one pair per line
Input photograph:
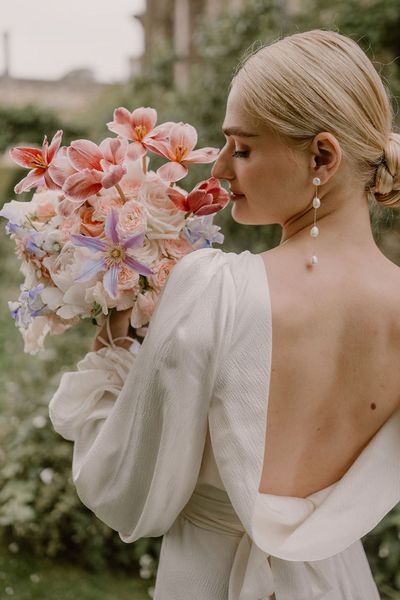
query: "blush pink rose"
44, 212
143, 308
70, 225
176, 248
127, 279
132, 219
103, 204
163, 269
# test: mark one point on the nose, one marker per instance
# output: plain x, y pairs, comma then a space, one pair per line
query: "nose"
221, 168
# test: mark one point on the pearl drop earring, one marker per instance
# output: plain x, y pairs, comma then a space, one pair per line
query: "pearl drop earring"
314, 231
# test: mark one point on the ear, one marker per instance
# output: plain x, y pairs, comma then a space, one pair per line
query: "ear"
326, 156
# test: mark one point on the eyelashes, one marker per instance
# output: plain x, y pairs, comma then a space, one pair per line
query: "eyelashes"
240, 154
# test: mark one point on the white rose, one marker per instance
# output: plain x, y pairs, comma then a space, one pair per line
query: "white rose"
164, 220
149, 254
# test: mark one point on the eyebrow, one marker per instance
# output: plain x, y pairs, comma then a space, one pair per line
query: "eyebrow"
238, 131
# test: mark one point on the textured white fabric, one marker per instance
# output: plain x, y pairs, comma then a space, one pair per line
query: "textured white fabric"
177, 432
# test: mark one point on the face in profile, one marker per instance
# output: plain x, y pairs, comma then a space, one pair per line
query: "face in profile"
270, 180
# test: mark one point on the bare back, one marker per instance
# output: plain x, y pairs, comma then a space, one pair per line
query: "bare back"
334, 381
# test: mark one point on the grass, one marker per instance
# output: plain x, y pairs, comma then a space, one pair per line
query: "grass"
29, 578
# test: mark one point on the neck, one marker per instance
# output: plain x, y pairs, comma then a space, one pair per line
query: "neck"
343, 222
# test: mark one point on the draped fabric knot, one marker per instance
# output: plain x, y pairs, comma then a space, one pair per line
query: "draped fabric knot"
255, 574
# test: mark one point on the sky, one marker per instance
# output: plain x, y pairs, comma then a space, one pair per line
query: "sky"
50, 37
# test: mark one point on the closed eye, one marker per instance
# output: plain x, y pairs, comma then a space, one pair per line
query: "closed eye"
240, 153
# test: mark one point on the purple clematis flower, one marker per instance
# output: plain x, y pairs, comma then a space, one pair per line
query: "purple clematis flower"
114, 254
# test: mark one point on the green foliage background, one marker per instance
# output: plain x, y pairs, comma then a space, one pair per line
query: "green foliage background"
48, 519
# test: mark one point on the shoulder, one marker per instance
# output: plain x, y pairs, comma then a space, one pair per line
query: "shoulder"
204, 258
200, 267
209, 261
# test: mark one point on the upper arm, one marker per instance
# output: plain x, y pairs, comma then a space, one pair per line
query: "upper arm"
138, 469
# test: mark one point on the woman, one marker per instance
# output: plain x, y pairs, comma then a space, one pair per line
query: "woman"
264, 464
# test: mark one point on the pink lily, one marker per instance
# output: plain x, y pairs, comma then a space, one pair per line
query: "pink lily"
114, 254
138, 126
38, 160
179, 149
206, 198
96, 167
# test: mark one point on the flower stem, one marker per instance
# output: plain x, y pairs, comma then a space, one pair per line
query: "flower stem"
120, 192
144, 164
30, 223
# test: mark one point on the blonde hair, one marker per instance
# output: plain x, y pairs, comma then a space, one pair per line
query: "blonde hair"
319, 81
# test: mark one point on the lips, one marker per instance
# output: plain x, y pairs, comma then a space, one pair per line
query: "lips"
235, 194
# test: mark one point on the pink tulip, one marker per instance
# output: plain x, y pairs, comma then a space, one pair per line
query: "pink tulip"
138, 126
61, 168
179, 149
39, 161
206, 198
94, 167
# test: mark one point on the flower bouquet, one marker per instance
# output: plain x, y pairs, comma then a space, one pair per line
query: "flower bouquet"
102, 231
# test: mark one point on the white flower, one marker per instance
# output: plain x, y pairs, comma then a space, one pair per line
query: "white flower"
164, 220
17, 211
29, 270
149, 254
37, 331
46, 475
50, 241
145, 573
97, 294
35, 334
39, 421
146, 560
69, 301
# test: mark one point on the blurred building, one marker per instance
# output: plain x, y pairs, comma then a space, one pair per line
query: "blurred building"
66, 96
169, 25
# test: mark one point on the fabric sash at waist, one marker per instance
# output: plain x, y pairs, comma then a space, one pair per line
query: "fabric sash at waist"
210, 508
255, 575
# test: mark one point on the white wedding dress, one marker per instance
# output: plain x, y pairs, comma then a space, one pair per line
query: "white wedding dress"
171, 442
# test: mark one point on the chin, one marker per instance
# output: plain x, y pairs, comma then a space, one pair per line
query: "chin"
244, 217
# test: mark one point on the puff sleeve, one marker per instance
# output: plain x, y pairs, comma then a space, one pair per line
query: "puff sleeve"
139, 422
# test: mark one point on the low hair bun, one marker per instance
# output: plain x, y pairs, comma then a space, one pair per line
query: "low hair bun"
387, 177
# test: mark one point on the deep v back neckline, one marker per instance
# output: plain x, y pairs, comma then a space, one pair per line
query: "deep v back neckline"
314, 498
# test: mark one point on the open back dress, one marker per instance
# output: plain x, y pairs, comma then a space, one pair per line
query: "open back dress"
170, 441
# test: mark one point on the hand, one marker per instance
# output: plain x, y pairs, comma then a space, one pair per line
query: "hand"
119, 327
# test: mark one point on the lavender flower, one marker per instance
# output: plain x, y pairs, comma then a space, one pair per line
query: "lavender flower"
28, 306
114, 252
202, 233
